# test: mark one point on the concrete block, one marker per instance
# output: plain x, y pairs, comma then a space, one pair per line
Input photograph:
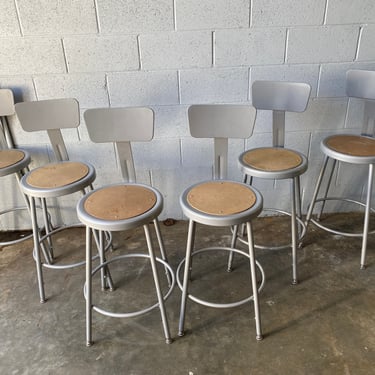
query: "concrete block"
287, 12
320, 114
252, 46
100, 54
293, 73
143, 88
347, 11
21, 86
9, 25
366, 45
333, 78
322, 44
132, 17
157, 154
211, 14
214, 85
57, 17
31, 56
176, 50
355, 115
197, 152
89, 89
299, 141
171, 122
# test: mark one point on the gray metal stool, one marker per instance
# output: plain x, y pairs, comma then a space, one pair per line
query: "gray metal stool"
53, 180
12, 160
220, 202
278, 162
123, 206
352, 149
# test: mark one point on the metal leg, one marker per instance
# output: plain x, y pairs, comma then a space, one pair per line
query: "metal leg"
316, 191
89, 341
233, 245
162, 251
105, 276
367, 215
189, 248
163, 314
334, 162
38, 262
258, 326
294, 232
47, 228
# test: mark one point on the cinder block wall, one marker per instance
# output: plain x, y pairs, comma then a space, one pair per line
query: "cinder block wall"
169, 54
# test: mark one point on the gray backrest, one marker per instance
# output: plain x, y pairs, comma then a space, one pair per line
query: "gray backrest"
121, 126
361, 84
50, 115
280, 97
221, 122
6, 109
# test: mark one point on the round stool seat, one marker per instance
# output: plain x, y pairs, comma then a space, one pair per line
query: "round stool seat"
221, 202
350, 148
57, 179
272, 162
119, 207
12, 161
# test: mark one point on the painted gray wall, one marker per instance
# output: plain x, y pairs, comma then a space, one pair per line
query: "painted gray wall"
169, 54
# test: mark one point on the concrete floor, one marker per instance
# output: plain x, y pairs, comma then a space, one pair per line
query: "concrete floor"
323, 325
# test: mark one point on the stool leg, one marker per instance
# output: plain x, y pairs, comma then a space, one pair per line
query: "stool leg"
163, 314
106, 278
294, 233
162, 251
48, 229
334, 162
38, 262
233, 245
250, 240
316, 191
189, 248
89, 341
367, 215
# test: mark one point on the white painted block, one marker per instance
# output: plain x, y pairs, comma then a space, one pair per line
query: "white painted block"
21, 86
249, 46
320, 114
143, 88
157, 154
31, 56
355, 116
322, 44
131, 17
9, 25
100, 54
171, 122
348, 11
211, 14
287, 12
333, 78
176, 50
366, 46
89, 89
47, 17
292, 73
214, 85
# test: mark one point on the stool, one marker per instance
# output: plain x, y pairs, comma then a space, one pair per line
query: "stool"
55, 179
352, 149
123, 206
278, 162
220, 202
12, 161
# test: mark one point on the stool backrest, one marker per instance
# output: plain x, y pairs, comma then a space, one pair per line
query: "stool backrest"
280, 97
6, 109
221, 122
361, 84
50, 115
121, 126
